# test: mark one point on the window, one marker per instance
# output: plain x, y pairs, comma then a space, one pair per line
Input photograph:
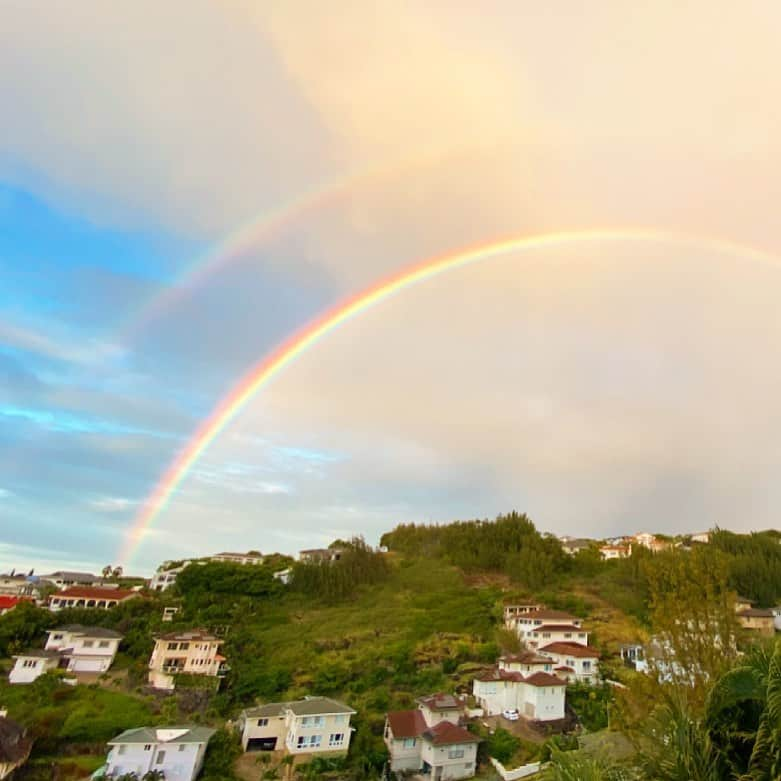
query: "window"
57, 636
29, 663
263, 722
309, 741
456, 752
88, 643
122, 749
182, 747
586, 666
183, 646
172, 646
342, 718
409, 742
547, 668
160, 757
148, 747
103, 644
568, 634
312, 721
336, 739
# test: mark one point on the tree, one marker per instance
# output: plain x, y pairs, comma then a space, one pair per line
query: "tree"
106, 571
117, 572
743, 714
693, 617
577, 766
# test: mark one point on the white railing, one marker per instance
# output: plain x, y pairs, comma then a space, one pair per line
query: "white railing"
524, 771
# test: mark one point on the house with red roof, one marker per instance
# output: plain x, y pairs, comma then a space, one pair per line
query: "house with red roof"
83, 596
431, 739
528, 686
9, 603
573, 662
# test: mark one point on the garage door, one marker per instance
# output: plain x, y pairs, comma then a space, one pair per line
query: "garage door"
87, 665
261, 744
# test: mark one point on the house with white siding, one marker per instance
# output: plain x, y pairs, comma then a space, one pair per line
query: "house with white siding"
103, 598
573, 662
538, 696
32, 664
314, 726
177, 752
430, 739
84, 648
251, 557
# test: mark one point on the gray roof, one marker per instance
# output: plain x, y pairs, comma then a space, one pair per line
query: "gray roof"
310, 706
270, 709
67, 575
87, 631
318, 705
38, 653
149, 735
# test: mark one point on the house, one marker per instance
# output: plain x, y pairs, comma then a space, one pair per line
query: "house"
555, 633
31, 664
537, 696
177, 752
195, 652
284, 576
543, 626
84, 648
165, 576
8, 603
574, 662
19, 586
703, 537
62, 579
430, 740
633, 655
251, 557
525, 662
741, 603
573, 545
650, 541
79, 596
312, 726
318, 555
608, 552
776, 611
758, 620
512, 611
169, 613
15, 746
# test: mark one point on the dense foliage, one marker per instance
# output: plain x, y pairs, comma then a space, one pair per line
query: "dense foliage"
510, 545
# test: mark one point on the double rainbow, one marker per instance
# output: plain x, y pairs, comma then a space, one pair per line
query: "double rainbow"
284, 355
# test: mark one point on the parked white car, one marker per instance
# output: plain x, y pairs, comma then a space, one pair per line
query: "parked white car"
511, 714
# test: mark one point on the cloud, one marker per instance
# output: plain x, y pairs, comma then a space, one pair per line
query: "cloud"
111, 504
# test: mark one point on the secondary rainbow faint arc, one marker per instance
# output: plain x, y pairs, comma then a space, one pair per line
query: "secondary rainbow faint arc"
281, 357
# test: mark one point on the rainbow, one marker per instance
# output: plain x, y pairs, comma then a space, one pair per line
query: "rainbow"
262, 228
286, 353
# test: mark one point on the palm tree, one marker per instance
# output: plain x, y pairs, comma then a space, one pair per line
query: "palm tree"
744, 715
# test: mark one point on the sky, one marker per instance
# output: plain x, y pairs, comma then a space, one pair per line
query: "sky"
183, 186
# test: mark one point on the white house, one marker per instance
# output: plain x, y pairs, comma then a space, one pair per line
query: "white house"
555, 633
538, 696
99, 597
84, 648
284, 576
312, 726
251, 557
19, 586
609, 552
195, 652
31, 664
165, 577
532, 619
62, 579
430, 740
574, 662
176, 751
